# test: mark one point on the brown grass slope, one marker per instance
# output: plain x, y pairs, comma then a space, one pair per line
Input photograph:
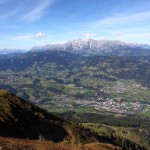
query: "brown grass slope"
20, 144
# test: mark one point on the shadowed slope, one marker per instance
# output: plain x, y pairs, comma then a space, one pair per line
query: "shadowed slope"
19, 118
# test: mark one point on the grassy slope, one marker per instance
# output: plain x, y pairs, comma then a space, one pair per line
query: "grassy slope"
126, 133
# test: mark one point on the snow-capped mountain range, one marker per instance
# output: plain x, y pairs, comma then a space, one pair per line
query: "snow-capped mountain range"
96, 47
90, 47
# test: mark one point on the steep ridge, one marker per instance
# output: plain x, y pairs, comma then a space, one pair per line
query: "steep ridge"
21, 119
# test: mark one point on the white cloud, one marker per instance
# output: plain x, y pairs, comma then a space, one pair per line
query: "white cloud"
89, 35
40, 35
38, 11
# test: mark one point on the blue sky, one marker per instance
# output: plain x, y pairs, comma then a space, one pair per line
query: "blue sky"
28, 23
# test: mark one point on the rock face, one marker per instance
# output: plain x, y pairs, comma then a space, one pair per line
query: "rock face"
94, 47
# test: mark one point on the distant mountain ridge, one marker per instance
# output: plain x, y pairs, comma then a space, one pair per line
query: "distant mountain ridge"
97, 47
6, 51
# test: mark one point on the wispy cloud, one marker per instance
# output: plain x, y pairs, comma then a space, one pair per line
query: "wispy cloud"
38, 11
40, 35
125, 19
133, 27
